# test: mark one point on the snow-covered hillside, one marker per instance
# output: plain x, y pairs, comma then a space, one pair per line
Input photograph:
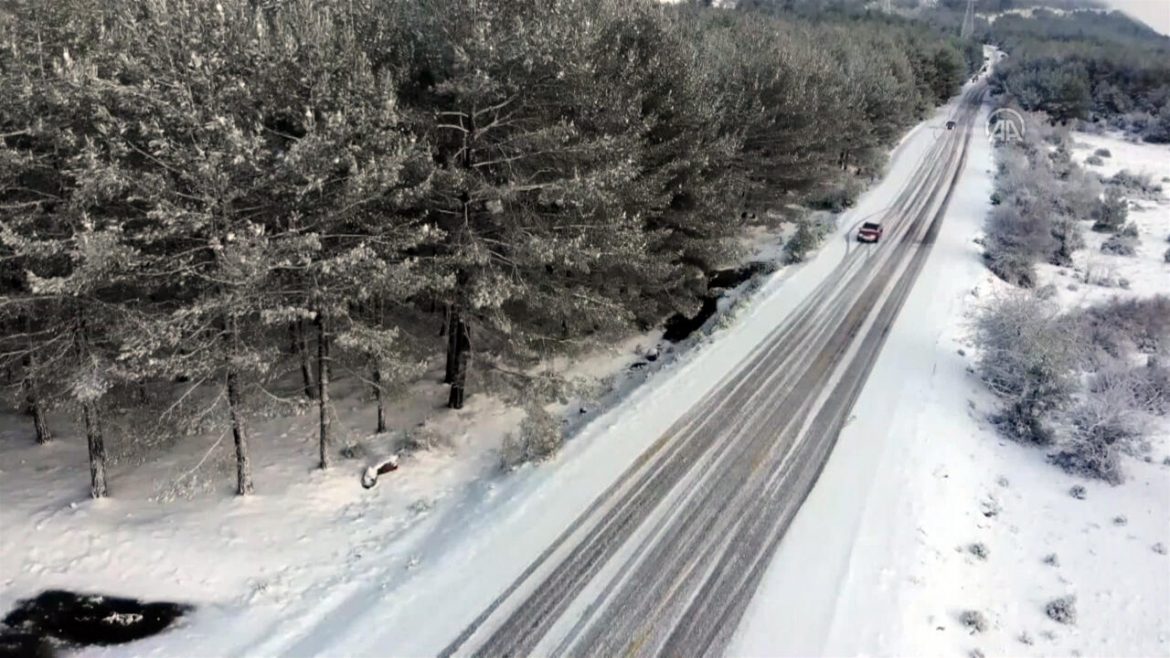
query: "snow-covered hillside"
924, 513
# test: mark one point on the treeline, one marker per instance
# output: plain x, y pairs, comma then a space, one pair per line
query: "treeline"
1087, 65
205, 200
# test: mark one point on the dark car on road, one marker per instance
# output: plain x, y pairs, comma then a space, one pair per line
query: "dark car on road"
869, 232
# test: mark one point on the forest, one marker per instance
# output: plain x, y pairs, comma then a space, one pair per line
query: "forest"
1087, 66
211, 210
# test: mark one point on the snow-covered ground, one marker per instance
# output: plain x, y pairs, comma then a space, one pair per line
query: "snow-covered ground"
878, 561
1142, 275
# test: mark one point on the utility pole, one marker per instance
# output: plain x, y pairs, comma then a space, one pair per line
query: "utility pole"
968, 21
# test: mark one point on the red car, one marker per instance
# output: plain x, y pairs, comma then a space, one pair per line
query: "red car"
869, 232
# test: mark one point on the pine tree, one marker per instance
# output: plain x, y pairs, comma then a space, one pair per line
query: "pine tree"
68, 261
204, 157
530, 193
347, 181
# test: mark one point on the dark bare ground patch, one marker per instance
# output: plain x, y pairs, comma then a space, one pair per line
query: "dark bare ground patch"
59, 618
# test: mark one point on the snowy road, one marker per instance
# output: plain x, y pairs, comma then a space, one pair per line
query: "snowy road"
665, 561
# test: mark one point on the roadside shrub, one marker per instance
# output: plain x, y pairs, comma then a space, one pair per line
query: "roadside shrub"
540, 437
1105, 423
1039, 197
1113, 328
1153, 386
837, 197
1082, 454
1140, 184
807, 238
1120, 245
1062, 610
1111, 211
1027, 358
1015, 240
1068, 240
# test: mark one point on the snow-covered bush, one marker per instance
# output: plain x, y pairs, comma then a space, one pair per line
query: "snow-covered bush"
1062, 610
978, 549
1166, 256
540, 437
1103, 153
1141, 184
1094, 160
1089, 456
1115, 328
1040, 196
973, 620
837, 196
808, 236
1013, 242
1111, 212
1069, 239
1120, 245
1027, 358
1114, 404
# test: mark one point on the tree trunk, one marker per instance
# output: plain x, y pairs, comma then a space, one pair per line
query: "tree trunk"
449, 330
462, 361
323, 388
39, 422
306, 367
378, 397
239, 435
92, 417
36, 410
97, 449
32, 396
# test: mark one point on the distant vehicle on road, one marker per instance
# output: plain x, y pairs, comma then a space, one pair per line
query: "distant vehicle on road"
870, 232
950, 125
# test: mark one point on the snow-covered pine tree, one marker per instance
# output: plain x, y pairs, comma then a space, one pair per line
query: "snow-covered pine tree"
68, 260
204, 158
687, 183
530, 193
346, 180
